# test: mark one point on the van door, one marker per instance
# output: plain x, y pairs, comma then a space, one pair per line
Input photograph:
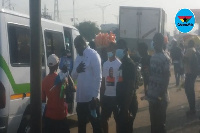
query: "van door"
69, 43
54, 44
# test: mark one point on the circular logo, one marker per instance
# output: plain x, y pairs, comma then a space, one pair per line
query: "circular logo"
185, 20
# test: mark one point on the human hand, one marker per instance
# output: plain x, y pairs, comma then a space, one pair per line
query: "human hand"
94, 103
80, 68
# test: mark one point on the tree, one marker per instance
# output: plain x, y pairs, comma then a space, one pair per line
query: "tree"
88, 29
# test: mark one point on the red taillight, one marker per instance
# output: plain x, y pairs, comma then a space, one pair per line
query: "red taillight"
2, 96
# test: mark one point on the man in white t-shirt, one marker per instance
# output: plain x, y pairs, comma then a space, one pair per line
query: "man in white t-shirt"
108, 88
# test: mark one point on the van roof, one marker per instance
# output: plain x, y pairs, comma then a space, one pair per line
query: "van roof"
6, 11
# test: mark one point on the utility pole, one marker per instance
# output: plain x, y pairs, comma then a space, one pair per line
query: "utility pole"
35, 66
45, 10
7, 4
3, 3
45, 13
103, 7
117, 17
56, 11
74, 19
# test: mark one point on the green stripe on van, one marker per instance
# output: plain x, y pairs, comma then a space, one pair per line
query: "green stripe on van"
17, 88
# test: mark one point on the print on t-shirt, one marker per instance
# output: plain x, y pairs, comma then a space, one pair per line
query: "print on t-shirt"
110, 73
110, 80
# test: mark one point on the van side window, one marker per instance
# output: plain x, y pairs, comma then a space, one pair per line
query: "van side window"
19, 42
54, 43
68, 40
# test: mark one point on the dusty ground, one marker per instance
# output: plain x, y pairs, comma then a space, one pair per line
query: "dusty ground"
177, 122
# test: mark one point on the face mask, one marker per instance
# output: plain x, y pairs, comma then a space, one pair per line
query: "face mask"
120, 53
110, 54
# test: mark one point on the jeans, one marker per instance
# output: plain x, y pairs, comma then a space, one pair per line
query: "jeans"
177, 69
157, 112
189, 90
109, 106
83, 113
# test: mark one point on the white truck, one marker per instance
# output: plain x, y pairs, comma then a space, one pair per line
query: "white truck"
139, 24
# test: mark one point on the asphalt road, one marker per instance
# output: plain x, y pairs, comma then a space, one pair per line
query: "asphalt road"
177, 122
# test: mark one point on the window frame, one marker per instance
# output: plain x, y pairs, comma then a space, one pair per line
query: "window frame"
52, 31
10, 45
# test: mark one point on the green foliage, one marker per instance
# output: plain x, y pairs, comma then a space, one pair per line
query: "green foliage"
88, 30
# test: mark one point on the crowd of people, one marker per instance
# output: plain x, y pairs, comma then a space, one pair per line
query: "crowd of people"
110, 87
186, 61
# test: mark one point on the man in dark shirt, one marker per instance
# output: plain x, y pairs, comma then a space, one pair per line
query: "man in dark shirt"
158, 84
145, 62
191, 70
126, 89
177, 56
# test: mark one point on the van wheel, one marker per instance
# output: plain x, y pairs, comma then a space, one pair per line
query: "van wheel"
25, 125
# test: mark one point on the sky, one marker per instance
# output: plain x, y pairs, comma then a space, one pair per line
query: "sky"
88, 10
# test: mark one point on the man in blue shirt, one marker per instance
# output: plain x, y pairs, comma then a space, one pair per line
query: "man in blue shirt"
158, 84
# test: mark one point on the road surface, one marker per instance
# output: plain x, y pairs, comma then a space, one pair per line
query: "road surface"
177, 122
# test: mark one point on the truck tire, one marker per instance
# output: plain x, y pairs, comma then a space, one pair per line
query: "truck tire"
24, 125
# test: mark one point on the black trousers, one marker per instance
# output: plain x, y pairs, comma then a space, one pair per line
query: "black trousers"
84, 114
109, 106
189, 90
157, 112
127, 114
56, 126
177, 69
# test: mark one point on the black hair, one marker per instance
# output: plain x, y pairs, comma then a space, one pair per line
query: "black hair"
92, 45
112, 45
158, 39
80, 40
121, 44
142, 46
53, 68
191, 44
65, 52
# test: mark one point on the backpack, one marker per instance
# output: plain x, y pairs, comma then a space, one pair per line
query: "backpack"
195, 63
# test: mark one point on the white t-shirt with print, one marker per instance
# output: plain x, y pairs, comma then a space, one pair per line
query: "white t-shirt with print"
110, 73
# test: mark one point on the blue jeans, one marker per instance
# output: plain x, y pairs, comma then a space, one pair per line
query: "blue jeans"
177, 68
189, 90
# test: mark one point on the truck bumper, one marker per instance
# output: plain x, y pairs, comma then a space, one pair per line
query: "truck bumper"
3, 124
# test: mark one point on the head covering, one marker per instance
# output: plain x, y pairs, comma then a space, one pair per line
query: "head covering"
52, 60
